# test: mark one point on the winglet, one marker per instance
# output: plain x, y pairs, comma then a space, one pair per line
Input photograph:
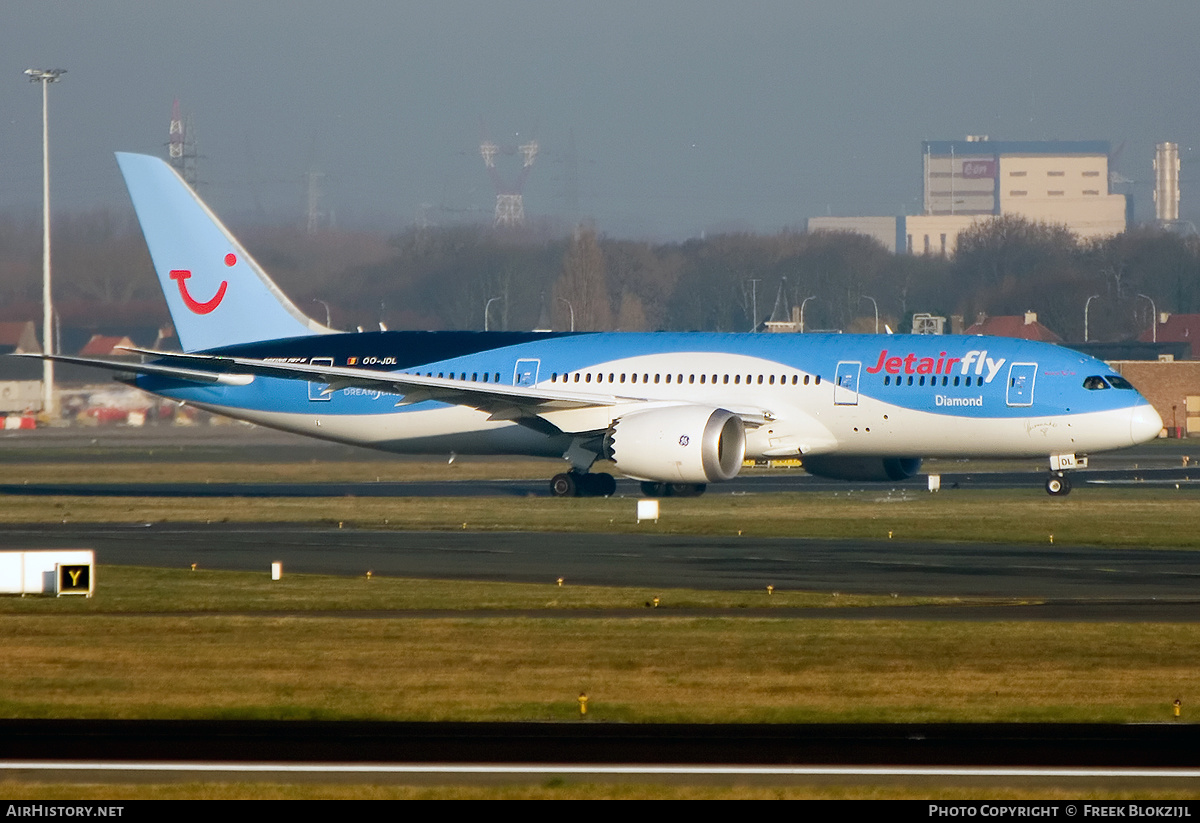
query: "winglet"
217, 294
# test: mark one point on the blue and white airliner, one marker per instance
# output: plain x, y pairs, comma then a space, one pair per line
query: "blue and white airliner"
674, 410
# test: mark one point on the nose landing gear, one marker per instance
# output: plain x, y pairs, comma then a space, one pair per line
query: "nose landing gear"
1058, 485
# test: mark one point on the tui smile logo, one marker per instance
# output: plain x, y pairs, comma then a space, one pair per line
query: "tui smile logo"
181, 276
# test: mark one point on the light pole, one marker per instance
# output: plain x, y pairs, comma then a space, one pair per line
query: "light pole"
1153, 320
487, 306
754, 299
802, 304
46, 77
862, 297
1085, 316
572, 310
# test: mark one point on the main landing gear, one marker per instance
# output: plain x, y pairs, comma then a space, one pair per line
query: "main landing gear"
651, 488
579, 484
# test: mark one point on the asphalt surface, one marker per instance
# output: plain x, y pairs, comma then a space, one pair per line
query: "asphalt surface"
1073, 583
1060, 583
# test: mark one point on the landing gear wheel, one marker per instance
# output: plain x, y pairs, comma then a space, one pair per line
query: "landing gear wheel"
653, 489
606, 484
1058, 485
686, 489
577, 484
563, 485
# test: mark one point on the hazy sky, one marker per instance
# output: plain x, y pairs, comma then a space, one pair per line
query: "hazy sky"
687, 115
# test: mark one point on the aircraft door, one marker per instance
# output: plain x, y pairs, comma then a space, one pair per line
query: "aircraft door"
1020, 383
316, 391
845, 389
526, 372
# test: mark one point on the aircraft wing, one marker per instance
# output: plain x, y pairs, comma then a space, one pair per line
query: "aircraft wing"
494, 398
516, 403
533, 406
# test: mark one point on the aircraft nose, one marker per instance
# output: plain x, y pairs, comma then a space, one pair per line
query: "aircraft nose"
1144, 423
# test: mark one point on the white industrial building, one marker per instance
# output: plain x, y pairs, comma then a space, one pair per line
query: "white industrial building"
1062, 182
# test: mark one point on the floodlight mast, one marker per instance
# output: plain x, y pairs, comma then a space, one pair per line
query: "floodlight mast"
49, 406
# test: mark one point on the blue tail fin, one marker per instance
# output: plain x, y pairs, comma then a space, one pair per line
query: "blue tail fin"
217, 294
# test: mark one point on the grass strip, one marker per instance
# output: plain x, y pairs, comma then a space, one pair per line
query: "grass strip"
1149, 518
660, 669
575, 789
135, 590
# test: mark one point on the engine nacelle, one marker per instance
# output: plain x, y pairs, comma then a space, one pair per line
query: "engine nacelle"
862, 468
678, 444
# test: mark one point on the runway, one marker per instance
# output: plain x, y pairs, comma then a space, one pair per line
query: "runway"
400, 751
1080, 582
1052, 583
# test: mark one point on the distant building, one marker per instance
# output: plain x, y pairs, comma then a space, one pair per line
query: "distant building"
1173, 328
103, 345
1024, 327
1173, 388
965, 181
19, 337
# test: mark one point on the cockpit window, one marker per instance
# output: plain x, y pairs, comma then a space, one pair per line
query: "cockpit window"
1095, 382
1119, 382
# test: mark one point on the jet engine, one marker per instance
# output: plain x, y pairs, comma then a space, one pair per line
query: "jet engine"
678, 444
862, 468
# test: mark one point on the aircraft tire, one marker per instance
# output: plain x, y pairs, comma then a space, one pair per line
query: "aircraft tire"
1058, 485
651, 488
686, 489
564, 485
605, 484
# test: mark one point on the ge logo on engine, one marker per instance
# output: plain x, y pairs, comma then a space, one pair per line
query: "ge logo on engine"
683, 440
